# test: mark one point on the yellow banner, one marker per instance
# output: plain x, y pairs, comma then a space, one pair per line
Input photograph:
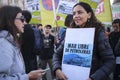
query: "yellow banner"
92, 3
47, 14
105, 15
102, 9
37, 19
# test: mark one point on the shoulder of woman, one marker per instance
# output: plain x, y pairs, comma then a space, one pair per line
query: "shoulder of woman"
100, 34
5, 45
6, 54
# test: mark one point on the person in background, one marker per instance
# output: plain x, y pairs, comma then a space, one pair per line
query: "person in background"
48, 50
39, 26
62, 30
27, 46
115, 34
11, 61
114, 37
103, 60
108, 32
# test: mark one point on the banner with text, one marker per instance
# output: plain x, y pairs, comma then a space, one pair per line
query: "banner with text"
77, 55
64, 8
34, 7
103, 11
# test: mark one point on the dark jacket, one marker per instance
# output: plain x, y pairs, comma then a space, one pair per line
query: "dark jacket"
113, 39
27, 48
47, 52
103, 61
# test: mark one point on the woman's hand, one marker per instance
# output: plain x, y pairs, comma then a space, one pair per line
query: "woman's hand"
60, 75
35, 74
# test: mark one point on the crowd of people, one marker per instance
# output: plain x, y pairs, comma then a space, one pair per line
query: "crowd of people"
19, 41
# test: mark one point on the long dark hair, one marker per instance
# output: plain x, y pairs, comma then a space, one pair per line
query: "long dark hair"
93, 22
7, 17
68, 20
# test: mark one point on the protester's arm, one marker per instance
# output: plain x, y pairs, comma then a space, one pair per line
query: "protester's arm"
106, 54
57, 60
57, 57
6, 62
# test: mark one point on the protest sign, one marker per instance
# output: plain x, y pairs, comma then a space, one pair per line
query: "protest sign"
77, 55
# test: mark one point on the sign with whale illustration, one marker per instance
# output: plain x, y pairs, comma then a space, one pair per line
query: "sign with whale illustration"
77, 55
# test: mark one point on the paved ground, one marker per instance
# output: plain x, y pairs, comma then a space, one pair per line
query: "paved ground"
48, 74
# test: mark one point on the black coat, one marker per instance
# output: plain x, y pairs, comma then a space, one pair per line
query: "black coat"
27, 48
103, 61
113, 39
47, 53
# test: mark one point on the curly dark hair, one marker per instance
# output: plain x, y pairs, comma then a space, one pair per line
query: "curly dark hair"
68, 20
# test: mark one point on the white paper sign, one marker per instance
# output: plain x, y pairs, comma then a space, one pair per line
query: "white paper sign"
78, 49
65, 6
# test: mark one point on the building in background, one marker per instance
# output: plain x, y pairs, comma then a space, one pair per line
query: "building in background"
20, 3
116, 2
116, 9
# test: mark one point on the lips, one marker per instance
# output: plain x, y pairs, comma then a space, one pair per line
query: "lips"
77, 21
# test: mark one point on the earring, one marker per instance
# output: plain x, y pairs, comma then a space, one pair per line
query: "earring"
88, 20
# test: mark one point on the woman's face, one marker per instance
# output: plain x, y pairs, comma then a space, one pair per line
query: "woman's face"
19, 22
116, 27
80, 16
47, 30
